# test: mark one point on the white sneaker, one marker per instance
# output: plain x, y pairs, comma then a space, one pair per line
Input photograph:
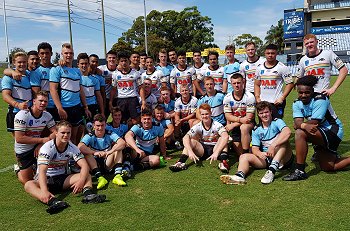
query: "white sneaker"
178, 145
268, 177
232, 179
16, 168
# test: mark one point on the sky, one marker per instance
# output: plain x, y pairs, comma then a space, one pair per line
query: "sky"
30, 22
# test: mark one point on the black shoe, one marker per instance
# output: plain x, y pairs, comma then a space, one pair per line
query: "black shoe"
296, 175
57, 207
178, 166
94, 198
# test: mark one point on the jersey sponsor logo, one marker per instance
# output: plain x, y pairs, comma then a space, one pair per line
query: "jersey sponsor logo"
45, 155
251, 76
240, 113
247, 67
43, 122
317, 72
44, 73
119, 77
105, 73
183, 81
18, 121
268, 82
178, 74
321, 59
208, 73
123, 84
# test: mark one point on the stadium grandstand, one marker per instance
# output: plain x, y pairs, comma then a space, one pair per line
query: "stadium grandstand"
329, 20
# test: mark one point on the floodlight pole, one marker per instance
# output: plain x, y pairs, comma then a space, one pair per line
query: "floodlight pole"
70, 24
144, 7
103, 28
6, 36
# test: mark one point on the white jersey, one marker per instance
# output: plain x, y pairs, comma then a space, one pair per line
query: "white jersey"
247, 69
151, 101
185, 76
107, 75
239, 107
217, 75
210, 136
157, 78
57, 161
199, 74
272, 80
31, 126
319, 66
140, 70
186, 109
126, 83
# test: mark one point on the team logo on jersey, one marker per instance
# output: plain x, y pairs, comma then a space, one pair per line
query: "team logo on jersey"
180, 106
232, 103
303, 111
188, 72
177, 74
321, 59
18, 121
66, 72
30, 122
44, 73
261, 135
247, 67
119, 77
306, 62
105, 72
262, 72
208, 73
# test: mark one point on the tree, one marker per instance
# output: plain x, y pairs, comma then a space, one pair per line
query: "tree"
275, 36
242, 39
182, 30
13, 51
122, 45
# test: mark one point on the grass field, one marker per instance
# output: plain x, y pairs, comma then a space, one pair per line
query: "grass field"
191, 200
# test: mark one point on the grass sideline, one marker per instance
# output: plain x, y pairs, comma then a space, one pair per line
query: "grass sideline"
191, 200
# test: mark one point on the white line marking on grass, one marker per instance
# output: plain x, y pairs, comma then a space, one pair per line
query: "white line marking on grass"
8, 168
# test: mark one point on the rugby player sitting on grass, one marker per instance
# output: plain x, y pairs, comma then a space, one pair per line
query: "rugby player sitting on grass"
51, 174
212, 144
270, 146
103, 150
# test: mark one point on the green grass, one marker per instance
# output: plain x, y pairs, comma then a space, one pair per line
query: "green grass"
191, 200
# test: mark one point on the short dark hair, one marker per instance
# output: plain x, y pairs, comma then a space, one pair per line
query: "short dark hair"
82, 56
143, 54
237, 75
146, 112
33, 52
213, 53
271, 47
99, 118
307, 80
45, 45
262, 105
112, 52
181, 53
135, 52
230, 47
94, 55
123, 54
159, 107
197, 51
116, 109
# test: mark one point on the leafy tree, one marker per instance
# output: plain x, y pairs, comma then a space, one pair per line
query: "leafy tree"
275, 36
122, 45
242, 39
13, 51
182, 30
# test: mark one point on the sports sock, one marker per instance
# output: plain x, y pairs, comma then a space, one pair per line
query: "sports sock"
52, 201
223, 156
300, 167
274, 166
245, 150
118, 168
240, 174
183, 158
87, 191
96, 172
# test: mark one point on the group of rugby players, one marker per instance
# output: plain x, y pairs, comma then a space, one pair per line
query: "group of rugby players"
202, 109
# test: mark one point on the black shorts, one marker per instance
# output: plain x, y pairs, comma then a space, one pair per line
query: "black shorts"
278, 111
130, 107
236, 134
330, 139
54, 113
208, 151
94, 109
26, 160
10, 120
55, 183
74, 115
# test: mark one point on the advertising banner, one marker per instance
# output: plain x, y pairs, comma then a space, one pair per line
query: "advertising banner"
293, 23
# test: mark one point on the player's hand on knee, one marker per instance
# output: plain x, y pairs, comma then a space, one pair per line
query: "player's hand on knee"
213, 157
78, 186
